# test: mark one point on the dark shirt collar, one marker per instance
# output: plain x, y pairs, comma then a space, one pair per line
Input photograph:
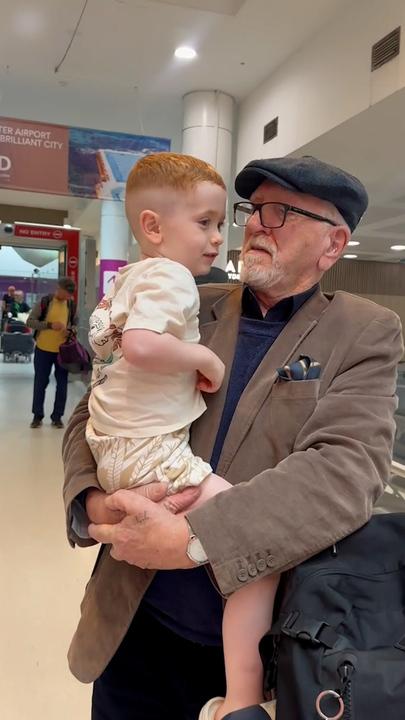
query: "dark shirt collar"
281, 312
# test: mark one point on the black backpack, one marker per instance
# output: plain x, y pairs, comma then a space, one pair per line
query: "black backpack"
338, 640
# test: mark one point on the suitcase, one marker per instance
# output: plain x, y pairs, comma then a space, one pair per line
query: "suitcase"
17, 345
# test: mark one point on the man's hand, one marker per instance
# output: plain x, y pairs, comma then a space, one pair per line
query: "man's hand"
99, 511
58, 326
149, 535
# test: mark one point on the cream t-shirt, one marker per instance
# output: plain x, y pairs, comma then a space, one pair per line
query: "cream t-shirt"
159, 295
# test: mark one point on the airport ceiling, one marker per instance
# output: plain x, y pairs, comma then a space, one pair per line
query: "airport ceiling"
127, 44
126, 47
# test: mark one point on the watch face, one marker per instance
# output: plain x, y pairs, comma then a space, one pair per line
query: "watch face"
196, 552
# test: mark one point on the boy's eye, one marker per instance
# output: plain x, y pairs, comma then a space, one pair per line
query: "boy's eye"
204, 222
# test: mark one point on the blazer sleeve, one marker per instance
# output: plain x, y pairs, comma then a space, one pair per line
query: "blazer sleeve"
327, 487
80, 468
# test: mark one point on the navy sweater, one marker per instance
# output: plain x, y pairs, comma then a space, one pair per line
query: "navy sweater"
186, 601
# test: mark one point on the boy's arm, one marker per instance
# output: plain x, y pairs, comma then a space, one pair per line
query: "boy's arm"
164, 353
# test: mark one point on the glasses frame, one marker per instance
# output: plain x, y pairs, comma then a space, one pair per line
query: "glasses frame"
287, 208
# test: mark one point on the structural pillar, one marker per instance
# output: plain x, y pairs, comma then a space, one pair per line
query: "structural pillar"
114, 242
207, 134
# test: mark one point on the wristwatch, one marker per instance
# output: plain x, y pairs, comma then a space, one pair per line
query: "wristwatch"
195, 550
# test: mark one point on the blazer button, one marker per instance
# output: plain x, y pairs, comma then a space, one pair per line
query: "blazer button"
261, 565
252, 570
270, 560
242, 575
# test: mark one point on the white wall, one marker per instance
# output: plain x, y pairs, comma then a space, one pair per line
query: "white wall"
327, 82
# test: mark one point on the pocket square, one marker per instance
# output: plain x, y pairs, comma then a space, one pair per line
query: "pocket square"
305, 368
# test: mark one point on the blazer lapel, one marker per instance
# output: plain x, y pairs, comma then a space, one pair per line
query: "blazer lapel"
261, 383
220, 336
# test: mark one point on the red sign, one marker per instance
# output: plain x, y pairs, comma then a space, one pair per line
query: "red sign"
44, 232
66, 236
73, 262
34, 156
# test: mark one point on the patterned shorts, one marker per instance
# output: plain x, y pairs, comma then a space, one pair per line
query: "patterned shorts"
128, 462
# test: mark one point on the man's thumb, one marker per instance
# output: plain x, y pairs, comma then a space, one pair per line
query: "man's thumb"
155, 491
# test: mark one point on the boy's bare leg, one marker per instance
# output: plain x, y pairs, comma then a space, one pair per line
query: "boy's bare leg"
247, 617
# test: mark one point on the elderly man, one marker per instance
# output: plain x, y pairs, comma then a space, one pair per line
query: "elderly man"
302, 426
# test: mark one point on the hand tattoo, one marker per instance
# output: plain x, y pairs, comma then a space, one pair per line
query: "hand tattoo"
139, 519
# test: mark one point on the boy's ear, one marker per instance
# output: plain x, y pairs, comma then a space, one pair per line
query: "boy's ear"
149, 222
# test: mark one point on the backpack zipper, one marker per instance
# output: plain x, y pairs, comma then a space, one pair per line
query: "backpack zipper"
345, 672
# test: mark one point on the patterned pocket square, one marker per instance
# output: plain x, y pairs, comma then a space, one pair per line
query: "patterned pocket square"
302, 369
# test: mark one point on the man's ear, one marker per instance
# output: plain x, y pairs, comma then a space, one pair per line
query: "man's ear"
149, 223
338, 239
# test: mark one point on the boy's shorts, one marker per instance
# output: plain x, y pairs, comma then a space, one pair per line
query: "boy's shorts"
128, 462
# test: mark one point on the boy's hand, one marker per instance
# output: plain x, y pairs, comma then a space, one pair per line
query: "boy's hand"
211, 372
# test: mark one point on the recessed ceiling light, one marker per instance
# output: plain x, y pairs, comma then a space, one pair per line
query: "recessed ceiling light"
350, 257
353, 242
185, 53
397, 247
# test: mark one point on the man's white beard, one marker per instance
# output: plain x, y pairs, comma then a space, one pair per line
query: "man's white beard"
258, 277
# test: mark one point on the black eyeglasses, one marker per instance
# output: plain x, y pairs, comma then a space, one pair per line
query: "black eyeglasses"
272, 214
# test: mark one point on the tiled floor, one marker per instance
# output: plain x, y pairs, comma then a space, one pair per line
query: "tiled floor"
42, 578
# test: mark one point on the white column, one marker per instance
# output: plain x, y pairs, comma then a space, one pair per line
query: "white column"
207, 134
114, 241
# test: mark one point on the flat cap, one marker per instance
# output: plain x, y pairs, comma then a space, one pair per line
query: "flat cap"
311, 176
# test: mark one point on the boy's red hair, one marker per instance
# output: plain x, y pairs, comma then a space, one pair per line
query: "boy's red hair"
167, 169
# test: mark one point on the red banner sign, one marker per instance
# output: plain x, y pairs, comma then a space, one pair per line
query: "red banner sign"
66, 236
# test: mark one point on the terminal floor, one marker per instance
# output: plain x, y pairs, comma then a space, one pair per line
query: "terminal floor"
42, 578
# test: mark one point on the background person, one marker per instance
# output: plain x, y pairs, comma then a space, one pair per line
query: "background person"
20, 306
7, 302
308, 457
51, 318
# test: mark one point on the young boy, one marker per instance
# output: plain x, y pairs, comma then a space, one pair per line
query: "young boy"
150, 369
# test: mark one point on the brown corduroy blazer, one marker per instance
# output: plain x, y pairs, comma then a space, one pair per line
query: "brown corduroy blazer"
308, 458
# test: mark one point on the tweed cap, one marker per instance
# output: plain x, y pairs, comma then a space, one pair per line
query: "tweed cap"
311, 176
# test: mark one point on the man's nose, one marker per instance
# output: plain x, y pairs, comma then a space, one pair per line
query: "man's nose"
254, 220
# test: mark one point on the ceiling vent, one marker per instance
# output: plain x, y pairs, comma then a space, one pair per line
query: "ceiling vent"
270, 130
385, 49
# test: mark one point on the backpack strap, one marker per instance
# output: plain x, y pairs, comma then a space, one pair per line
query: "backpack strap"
45, 302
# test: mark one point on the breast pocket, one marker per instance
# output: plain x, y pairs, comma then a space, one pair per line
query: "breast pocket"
287, 409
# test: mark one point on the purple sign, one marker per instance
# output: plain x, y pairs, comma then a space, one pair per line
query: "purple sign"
108, 272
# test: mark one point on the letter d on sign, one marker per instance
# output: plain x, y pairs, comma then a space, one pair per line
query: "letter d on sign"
5, 163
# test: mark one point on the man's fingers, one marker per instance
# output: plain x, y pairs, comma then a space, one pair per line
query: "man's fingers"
127, 501
182, 500
153, 491
102, 533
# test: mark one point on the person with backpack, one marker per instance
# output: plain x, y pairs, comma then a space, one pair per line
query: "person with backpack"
51, 318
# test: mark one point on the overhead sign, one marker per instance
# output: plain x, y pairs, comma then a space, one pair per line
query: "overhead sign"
68, 237
69, 161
